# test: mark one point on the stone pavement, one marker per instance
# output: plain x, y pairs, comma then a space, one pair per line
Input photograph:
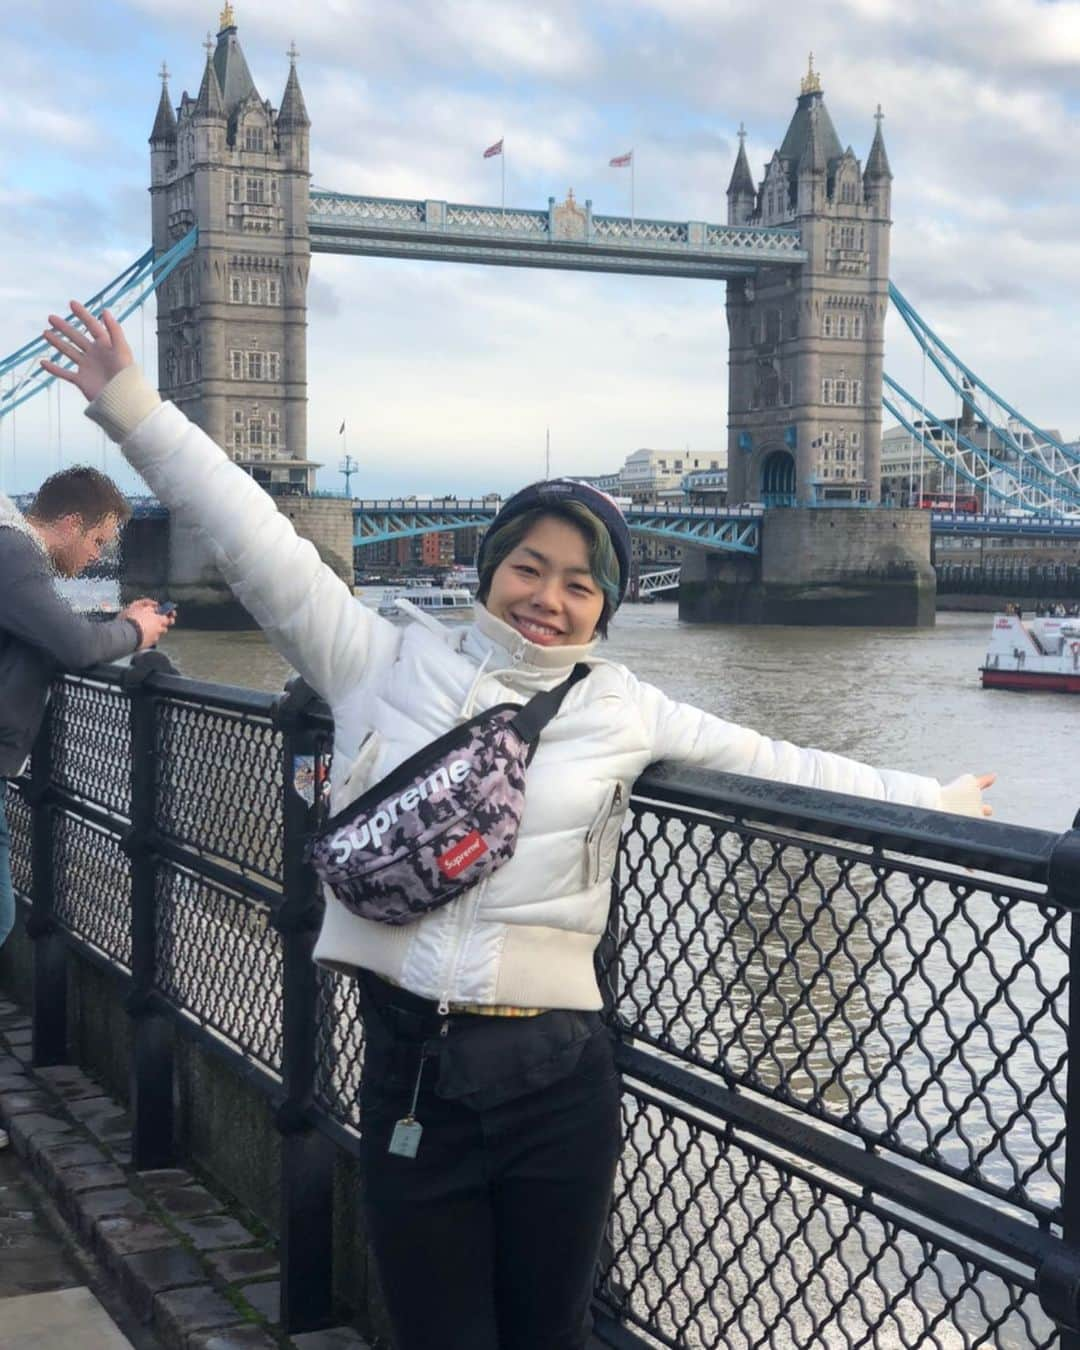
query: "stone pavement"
45, 1300
174, 1267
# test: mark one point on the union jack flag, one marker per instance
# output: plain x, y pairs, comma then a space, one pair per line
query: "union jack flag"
621, 161
495, 149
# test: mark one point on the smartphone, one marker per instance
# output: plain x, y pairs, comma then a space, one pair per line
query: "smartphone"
166, 607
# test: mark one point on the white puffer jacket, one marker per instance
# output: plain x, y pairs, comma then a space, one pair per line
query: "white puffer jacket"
526, 935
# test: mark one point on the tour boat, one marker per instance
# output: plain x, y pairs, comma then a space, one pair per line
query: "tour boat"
1039, 653
429, 599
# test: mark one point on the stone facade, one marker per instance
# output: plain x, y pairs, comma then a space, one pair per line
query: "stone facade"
829, 566
804, 420
232, 319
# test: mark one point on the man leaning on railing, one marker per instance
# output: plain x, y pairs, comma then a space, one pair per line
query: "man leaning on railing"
75, 516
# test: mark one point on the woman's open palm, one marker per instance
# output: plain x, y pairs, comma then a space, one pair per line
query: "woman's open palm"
97, 354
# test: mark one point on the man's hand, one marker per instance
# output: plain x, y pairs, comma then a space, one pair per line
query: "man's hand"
98, 354
152, 625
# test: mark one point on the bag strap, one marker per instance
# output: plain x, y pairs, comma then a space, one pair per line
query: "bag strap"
542, 707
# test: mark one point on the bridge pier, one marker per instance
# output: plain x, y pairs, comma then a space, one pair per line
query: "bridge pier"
165, 556
837, 566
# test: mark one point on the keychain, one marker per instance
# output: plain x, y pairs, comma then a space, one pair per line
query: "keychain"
405, 1140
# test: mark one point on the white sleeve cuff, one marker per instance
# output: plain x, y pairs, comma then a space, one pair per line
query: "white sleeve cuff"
126, 401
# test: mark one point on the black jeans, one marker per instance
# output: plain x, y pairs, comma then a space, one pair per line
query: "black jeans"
487, 1239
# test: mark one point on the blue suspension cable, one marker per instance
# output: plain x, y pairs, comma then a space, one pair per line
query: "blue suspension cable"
146, 274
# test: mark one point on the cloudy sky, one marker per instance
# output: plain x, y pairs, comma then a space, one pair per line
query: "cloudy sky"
448, 375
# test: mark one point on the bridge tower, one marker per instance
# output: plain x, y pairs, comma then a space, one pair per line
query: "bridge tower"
232, 320
806, 348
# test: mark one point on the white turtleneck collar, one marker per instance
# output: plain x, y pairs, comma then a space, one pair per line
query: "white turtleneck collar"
499, 639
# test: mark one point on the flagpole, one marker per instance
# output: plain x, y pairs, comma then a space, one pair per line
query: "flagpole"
631, 188
502, 161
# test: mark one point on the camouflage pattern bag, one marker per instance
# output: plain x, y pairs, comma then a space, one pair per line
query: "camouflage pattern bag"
442, 820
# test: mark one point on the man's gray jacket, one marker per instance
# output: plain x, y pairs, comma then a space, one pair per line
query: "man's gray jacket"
40, 634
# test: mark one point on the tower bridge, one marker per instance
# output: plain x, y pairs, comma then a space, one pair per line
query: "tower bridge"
804, 253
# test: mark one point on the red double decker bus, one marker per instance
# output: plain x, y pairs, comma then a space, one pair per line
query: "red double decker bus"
969, 505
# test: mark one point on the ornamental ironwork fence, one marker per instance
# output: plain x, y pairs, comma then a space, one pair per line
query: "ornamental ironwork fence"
844, 1028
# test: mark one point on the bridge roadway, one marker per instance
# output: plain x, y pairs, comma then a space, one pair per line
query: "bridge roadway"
731, 530
566, 235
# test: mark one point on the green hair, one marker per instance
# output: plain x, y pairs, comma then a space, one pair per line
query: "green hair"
603, 562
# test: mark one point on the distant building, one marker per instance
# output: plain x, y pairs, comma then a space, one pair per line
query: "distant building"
651, 475
648, 477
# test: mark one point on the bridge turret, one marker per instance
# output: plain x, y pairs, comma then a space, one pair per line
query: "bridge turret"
741, 193
877, 180
162, 159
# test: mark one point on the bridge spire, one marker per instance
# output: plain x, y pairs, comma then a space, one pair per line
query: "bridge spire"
811, 81
209, 102
877, 163
164, 130
741, 192
293, 112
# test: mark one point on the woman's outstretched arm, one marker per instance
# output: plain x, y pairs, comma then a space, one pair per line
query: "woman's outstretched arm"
307, 611
688, 735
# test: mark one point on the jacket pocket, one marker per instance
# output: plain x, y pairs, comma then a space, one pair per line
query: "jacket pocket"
602, 839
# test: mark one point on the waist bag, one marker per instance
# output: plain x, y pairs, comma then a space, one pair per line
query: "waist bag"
442, 821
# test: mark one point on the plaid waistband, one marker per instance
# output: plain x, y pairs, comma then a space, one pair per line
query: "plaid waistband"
429, 1006
495, 1010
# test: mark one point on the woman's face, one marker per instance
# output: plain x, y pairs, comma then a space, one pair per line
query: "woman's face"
544, 588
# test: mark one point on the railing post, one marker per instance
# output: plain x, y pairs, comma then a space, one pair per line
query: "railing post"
307, 1156
49, 1040
153, 1135
1059, 1288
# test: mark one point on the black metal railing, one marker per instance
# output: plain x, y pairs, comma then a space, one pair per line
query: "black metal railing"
844, 1027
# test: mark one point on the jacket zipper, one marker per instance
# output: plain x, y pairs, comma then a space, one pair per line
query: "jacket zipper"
462, 926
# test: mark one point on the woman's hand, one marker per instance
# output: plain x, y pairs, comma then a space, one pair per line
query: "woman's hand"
97, 354
986, 780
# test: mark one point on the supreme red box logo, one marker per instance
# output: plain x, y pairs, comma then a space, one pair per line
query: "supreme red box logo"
463, 854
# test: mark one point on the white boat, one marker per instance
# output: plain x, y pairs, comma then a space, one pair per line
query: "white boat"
1039, 653
428, 599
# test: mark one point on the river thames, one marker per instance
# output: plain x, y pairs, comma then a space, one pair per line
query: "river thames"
898, 698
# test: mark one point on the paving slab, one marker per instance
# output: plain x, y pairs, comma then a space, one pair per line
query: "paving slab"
179, 1312
238, 1338
336, 1338
216, 1231
155, 1178
115, 1238
187, 1202
243, 1263
114, 1201
69, 1082
265, 1298
142, 1275
95, 1176
20, 1103
67, 1317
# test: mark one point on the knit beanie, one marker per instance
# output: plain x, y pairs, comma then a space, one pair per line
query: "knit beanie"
554, 492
